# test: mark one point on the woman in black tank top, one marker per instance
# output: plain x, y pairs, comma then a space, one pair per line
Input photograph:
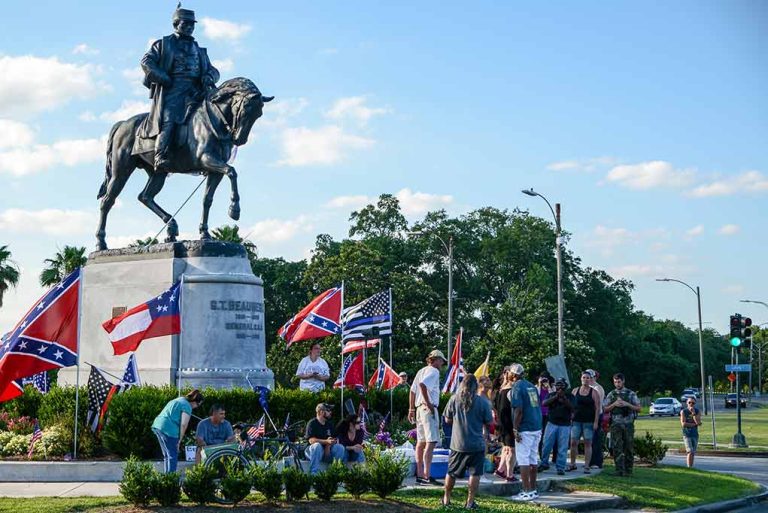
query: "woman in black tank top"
584, 421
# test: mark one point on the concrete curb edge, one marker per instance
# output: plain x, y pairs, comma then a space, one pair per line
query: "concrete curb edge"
718, 507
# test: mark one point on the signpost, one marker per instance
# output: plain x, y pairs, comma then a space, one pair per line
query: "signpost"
743, 367
739, 440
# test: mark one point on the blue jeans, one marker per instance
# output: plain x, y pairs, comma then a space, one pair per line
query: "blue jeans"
316, 453
351, 456
561, 434
170, 448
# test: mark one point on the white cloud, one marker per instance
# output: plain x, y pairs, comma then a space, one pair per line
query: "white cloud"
585, 165
50, 221
606, 239
748, 182
729, 229
649, 175
414, 203
128, 108
15, 134
354, 108
733, 289
350, 202
281, 111
26, 160
122, 241
84, 49
636, 270
695, 231
278, 230
325, 145
223, 29
223, 65
31, 84
135, 77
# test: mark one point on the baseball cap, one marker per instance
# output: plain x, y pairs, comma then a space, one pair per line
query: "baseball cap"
517, 369
436, 354
591, 373
323, 407
560, 383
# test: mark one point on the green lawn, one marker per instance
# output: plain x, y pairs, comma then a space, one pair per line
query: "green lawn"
667, 488
754, 425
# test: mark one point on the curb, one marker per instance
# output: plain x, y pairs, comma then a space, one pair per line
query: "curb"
718, 507
725, 454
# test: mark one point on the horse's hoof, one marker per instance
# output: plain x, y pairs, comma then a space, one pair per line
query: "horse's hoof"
234, 212
170, 238
173, 229
101, 246
205, 236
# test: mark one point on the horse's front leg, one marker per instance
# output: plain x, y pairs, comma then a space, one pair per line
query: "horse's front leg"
210, 189
215, 165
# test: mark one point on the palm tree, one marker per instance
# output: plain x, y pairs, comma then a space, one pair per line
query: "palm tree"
9, 272
140, 243
65, 261
231, 233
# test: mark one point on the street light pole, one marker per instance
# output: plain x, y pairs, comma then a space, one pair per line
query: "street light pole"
449, 251
556, 215
696, 291
759, 361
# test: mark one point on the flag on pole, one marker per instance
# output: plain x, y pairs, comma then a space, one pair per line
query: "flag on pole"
263, 396
99, 389
12, 391
320, 318
484, 370
456, 367
383, 423
374, 312
358, 345
362, 416
131, 374
157, 317
351, 373
258, 430
37, 434
45, 338
287, 422
385, 377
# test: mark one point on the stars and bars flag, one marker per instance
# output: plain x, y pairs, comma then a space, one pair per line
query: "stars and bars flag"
456, 370
37, 434
45, 338
358, 345
351, 373
385, 377
131, 374
99, 389
374, 312
156, 317
320, 318
258, 430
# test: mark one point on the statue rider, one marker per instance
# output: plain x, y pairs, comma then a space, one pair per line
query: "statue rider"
178, 74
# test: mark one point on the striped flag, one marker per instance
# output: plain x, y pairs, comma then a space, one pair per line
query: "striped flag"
383, 423
362, 416
374, 312
257, 431
287, 423
456, 368
37, 434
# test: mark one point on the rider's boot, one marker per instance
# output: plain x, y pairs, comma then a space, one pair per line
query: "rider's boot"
162, 149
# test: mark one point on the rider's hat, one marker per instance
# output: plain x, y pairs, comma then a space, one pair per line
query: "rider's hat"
184, 14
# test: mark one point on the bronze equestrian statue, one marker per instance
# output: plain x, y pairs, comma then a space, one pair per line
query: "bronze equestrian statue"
192, 128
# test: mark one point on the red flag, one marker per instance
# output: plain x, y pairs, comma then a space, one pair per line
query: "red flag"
353, 372
45, 338
385, 377
157, 317
357, 345
318, 319
12, 391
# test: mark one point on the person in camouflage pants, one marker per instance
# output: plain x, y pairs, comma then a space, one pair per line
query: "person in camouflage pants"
622, 404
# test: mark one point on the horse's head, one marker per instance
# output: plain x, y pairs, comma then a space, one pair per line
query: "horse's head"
242, 104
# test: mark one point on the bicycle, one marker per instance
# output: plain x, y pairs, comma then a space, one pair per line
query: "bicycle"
276, 445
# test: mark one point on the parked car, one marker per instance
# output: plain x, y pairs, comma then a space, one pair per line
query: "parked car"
730, 401
690, 392
665, 406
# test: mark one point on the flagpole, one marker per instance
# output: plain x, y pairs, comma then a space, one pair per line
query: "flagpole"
392, 324
181, 334
105, 372
341, 343
77, 361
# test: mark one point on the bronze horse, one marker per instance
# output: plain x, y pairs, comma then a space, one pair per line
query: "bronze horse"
222, 121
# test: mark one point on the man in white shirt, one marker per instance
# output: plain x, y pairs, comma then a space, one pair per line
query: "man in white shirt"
313, 371
424, 400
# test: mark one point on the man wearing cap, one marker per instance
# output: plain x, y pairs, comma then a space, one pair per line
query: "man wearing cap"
596, 461
623, 406
424, 398
323, 446
178, 73
560, 404
526, 427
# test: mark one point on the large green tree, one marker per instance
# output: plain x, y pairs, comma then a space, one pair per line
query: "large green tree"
64, 262
9, 272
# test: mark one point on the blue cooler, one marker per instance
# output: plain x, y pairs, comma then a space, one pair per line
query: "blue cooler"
439, 467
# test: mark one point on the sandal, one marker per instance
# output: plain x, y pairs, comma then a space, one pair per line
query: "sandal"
587, 471
569, 468
500, 474
512, 479
443, 503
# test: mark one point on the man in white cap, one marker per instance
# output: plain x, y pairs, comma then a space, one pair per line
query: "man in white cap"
424, 400
526, 425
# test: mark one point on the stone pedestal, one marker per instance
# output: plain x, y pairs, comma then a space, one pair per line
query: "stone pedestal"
221, 344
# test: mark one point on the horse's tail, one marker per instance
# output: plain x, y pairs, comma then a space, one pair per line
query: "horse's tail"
108, 166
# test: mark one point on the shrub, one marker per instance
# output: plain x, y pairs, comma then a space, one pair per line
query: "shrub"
166, 488
137, 483
236, 484
199, 484
21, 425
650, 449
326, 483
26, 404
268, 481
55, 442
5, 437
87, 444
18, 444
297, 483
357, 480
387, 472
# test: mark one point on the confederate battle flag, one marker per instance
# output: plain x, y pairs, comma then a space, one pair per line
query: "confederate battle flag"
318, 319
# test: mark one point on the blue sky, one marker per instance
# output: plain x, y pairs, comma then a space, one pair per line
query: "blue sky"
647, 121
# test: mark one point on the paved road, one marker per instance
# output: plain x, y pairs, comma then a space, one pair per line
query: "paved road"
754, 469
757, 508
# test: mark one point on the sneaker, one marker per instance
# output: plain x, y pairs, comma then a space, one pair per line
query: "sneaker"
421, 481
472, 505
542, 467
434, 482
560, 472
534, 494
522, 496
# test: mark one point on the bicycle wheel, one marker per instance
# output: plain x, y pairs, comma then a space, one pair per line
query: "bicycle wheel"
222, 462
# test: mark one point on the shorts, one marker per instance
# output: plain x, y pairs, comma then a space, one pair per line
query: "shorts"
459, 462
585, 428
426, 425
527, 449
691, 444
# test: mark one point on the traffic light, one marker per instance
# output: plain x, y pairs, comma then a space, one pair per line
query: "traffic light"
741, 331
746, 334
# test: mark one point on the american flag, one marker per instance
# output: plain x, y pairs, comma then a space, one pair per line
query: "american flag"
40, 381
98, 391
257, 431
383, 423
362, 416
374, 312
287, 422
37, 434
358, 345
